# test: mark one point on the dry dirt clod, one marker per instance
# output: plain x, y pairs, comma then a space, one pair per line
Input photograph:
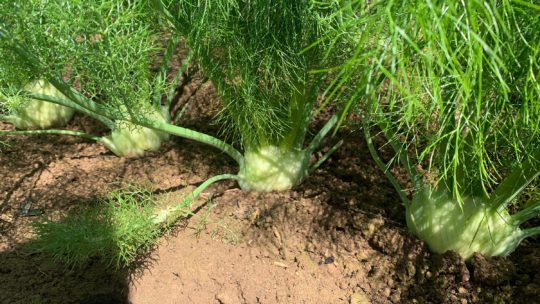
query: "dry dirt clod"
280, 264
277, 235
493, 271
359, 298
254, 216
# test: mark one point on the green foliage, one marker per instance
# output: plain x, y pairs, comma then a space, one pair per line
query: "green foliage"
101, 48
457, 86
454, 88
257, 55
260, 55
118, 229
115, 230
98, 54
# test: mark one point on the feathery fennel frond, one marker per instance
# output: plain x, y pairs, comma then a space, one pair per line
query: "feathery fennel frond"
456, 85
101, 48
252, 51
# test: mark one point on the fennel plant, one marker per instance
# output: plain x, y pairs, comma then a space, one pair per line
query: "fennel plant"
259, 55
93, 57
454, 88
115, 229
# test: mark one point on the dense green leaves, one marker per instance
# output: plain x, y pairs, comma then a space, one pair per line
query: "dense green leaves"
116, 230
454, 84
454, 88
253, 53
101, 48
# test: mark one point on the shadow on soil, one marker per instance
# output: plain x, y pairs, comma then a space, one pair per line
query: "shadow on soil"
59, 174
36, 279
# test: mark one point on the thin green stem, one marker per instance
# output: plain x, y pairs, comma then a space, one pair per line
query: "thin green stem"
530, 232
297, 112
203, 186
325, 157
158, 5
528, 213
315, 143
401, 152
79, 99
68, 103
381, 164
62, 132
164, 214
181, 70
516, 181
169, 52
527, 4
194, 135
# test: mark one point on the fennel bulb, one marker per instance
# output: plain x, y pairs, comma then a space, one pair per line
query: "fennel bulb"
438, 220
272, 168
39, 114
131, 140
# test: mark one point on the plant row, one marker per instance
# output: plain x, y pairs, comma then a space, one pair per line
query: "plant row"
451, 86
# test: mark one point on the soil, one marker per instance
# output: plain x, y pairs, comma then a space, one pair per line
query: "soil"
339, 237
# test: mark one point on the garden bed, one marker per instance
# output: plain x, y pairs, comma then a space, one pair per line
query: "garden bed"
339, 237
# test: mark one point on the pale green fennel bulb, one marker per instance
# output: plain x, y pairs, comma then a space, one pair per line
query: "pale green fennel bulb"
272, 168
131, 140
39, 114
436, 218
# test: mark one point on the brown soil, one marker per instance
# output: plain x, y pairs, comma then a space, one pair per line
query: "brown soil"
339, 237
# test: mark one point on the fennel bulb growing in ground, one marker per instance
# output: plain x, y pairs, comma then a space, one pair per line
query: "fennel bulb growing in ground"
438, 219
133, 140
129, 139
39, 114
260, 56
458, 102
104, 68
272, 168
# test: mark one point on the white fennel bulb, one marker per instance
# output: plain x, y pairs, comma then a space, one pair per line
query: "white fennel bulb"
436, 218
130, 140
271, 168
39, 114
